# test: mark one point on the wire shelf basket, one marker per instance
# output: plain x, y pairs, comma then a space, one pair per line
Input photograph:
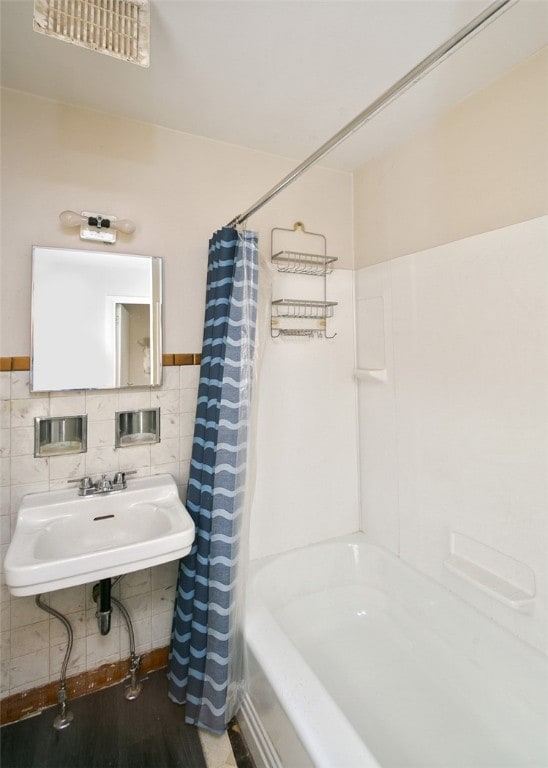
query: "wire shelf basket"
303, 263
316, 310
302, 332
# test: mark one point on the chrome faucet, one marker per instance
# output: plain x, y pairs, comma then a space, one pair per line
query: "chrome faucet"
86, 486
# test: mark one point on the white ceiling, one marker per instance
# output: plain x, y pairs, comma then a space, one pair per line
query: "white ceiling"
280, 76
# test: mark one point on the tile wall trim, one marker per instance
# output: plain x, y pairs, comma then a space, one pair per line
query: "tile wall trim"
15, 363
182, 358
30, 702
20, 363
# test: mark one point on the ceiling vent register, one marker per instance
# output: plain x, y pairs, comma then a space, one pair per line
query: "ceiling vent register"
119, 28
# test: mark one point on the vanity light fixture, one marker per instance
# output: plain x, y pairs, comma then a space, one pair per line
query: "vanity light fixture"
97, 226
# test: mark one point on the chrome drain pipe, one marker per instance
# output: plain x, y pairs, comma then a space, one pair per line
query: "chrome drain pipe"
64, 717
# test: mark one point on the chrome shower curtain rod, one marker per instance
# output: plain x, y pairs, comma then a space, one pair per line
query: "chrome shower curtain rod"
412, 77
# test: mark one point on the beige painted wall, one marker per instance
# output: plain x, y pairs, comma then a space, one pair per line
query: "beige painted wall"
178, 188
481, 166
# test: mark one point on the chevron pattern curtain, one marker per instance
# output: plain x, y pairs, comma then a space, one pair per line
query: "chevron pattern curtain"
206, 656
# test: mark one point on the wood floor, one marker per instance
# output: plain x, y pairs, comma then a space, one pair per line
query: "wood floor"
107, 732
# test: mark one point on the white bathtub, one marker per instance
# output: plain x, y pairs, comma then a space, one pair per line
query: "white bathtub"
356, 660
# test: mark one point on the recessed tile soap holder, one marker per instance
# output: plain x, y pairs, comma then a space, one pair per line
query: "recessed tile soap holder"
60, 435
137, 427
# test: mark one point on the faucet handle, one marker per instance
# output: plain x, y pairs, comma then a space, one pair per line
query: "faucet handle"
85, 485
119, 480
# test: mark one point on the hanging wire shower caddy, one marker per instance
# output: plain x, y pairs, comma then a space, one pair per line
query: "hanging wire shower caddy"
317, 312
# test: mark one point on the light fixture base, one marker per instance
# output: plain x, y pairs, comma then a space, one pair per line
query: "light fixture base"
98, 233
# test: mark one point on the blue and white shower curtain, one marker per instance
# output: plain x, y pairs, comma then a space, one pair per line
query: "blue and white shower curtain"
206, 656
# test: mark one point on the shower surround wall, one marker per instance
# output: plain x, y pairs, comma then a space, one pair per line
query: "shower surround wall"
454, 440
307, 438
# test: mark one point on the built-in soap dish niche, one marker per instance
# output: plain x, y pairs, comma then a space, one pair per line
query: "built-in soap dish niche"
60, 435
497, 574
137, 427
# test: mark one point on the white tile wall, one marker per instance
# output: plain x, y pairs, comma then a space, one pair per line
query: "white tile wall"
456, 438
377, 408
33, 644
306, 486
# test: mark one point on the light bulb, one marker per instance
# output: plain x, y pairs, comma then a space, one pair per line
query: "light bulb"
71, 219
124, 225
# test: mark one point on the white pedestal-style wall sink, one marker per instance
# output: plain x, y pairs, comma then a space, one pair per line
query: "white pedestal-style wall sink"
62, 539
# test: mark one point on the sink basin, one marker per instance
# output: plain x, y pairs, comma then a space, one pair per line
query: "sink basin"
62, 539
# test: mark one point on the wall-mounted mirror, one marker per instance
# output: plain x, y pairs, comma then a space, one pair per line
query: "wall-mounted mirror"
96, 320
